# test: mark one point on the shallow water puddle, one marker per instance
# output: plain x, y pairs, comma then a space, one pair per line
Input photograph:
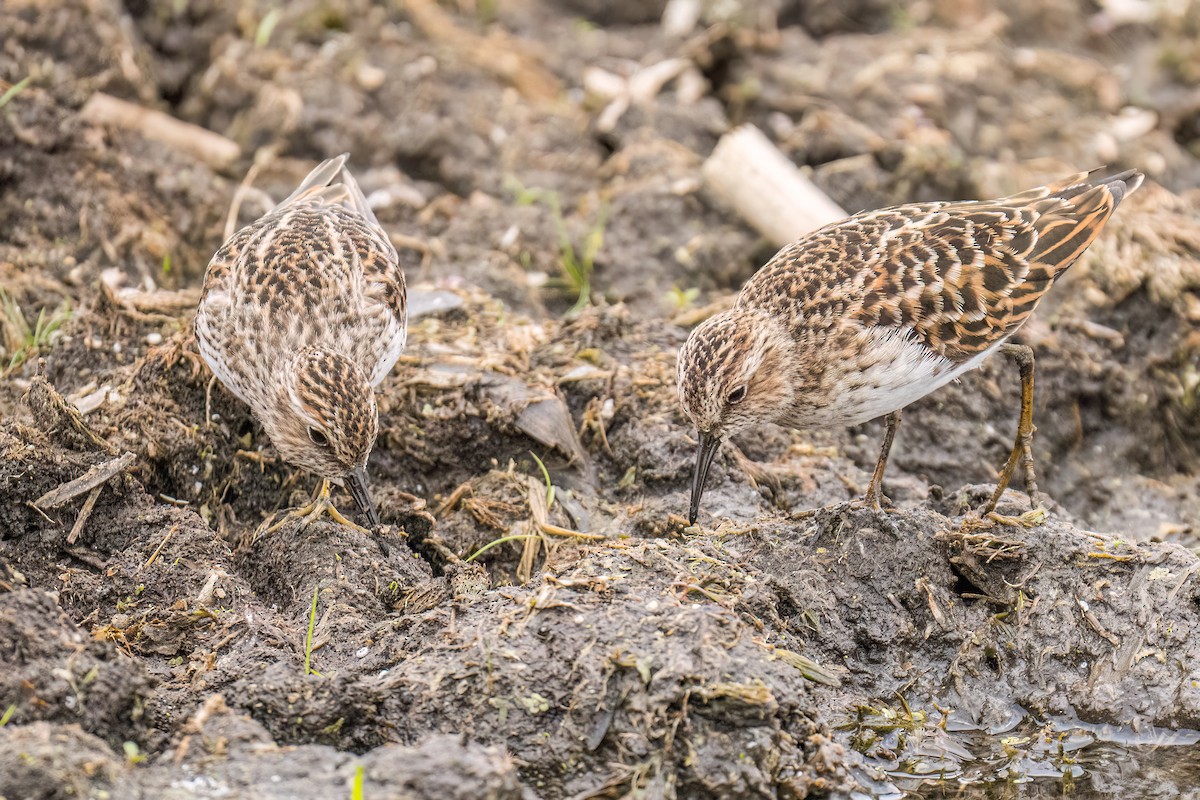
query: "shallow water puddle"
908, 755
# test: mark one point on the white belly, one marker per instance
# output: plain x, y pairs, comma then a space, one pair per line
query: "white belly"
898, 370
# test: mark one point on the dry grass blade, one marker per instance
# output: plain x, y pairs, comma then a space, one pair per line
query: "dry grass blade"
539, 509
490, 512
981, 543
161, 545
235, 205
808, 667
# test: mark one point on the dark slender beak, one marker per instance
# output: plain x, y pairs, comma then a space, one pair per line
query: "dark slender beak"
356, 482
709, 444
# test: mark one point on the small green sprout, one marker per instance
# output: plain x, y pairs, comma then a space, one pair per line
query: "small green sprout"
133, 753
21, 338
576, 262
14, 90
514, 538
262, 35
546, 478
308, 640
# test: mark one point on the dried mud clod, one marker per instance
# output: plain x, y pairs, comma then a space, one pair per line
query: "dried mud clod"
54, 672
58, 419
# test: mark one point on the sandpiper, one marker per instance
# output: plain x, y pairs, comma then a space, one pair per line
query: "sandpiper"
867, 315
303, 312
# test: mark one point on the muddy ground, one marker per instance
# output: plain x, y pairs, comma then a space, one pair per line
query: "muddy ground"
792, 645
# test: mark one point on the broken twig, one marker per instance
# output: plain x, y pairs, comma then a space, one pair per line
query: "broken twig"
94, 477
84, 513
211, 148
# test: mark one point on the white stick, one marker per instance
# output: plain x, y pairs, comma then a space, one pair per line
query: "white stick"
749, 173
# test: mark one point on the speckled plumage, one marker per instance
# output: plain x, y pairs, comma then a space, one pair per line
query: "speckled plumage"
304, 311
866, 315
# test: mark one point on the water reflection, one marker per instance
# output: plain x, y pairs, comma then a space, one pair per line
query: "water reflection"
911, 753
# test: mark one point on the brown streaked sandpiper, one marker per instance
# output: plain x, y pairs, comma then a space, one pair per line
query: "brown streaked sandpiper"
303, 312
864, 316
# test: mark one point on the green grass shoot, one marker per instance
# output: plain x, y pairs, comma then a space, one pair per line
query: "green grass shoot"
262, 35
682, 299
133, 753
356, 788
23, 339
308, 640
546, 478
576, 261
14, 90
8, 714
516, 537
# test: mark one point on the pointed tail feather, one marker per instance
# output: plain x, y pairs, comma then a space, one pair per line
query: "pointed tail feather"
356, 198
317, 184
1120, 185
1075, 213
319, 178
1124, 184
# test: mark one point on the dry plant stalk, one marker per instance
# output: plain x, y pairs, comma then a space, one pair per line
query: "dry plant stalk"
93, 478
88, 505
539, 510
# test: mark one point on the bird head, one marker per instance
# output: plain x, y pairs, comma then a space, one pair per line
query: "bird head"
325, 420
732, 374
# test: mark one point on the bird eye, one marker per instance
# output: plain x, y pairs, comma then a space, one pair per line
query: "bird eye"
318, 437
737, 395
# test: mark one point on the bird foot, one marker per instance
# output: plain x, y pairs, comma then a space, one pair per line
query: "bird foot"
875, 502
318, 507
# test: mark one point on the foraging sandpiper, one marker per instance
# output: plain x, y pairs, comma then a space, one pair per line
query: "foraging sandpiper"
866, 315
303, 312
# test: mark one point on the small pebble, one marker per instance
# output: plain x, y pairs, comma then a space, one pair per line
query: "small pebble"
370, 77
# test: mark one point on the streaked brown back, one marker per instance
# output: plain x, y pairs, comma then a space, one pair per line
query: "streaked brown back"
961, 275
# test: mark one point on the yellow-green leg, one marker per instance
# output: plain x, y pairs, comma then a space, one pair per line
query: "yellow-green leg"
1022, 451
874, 496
